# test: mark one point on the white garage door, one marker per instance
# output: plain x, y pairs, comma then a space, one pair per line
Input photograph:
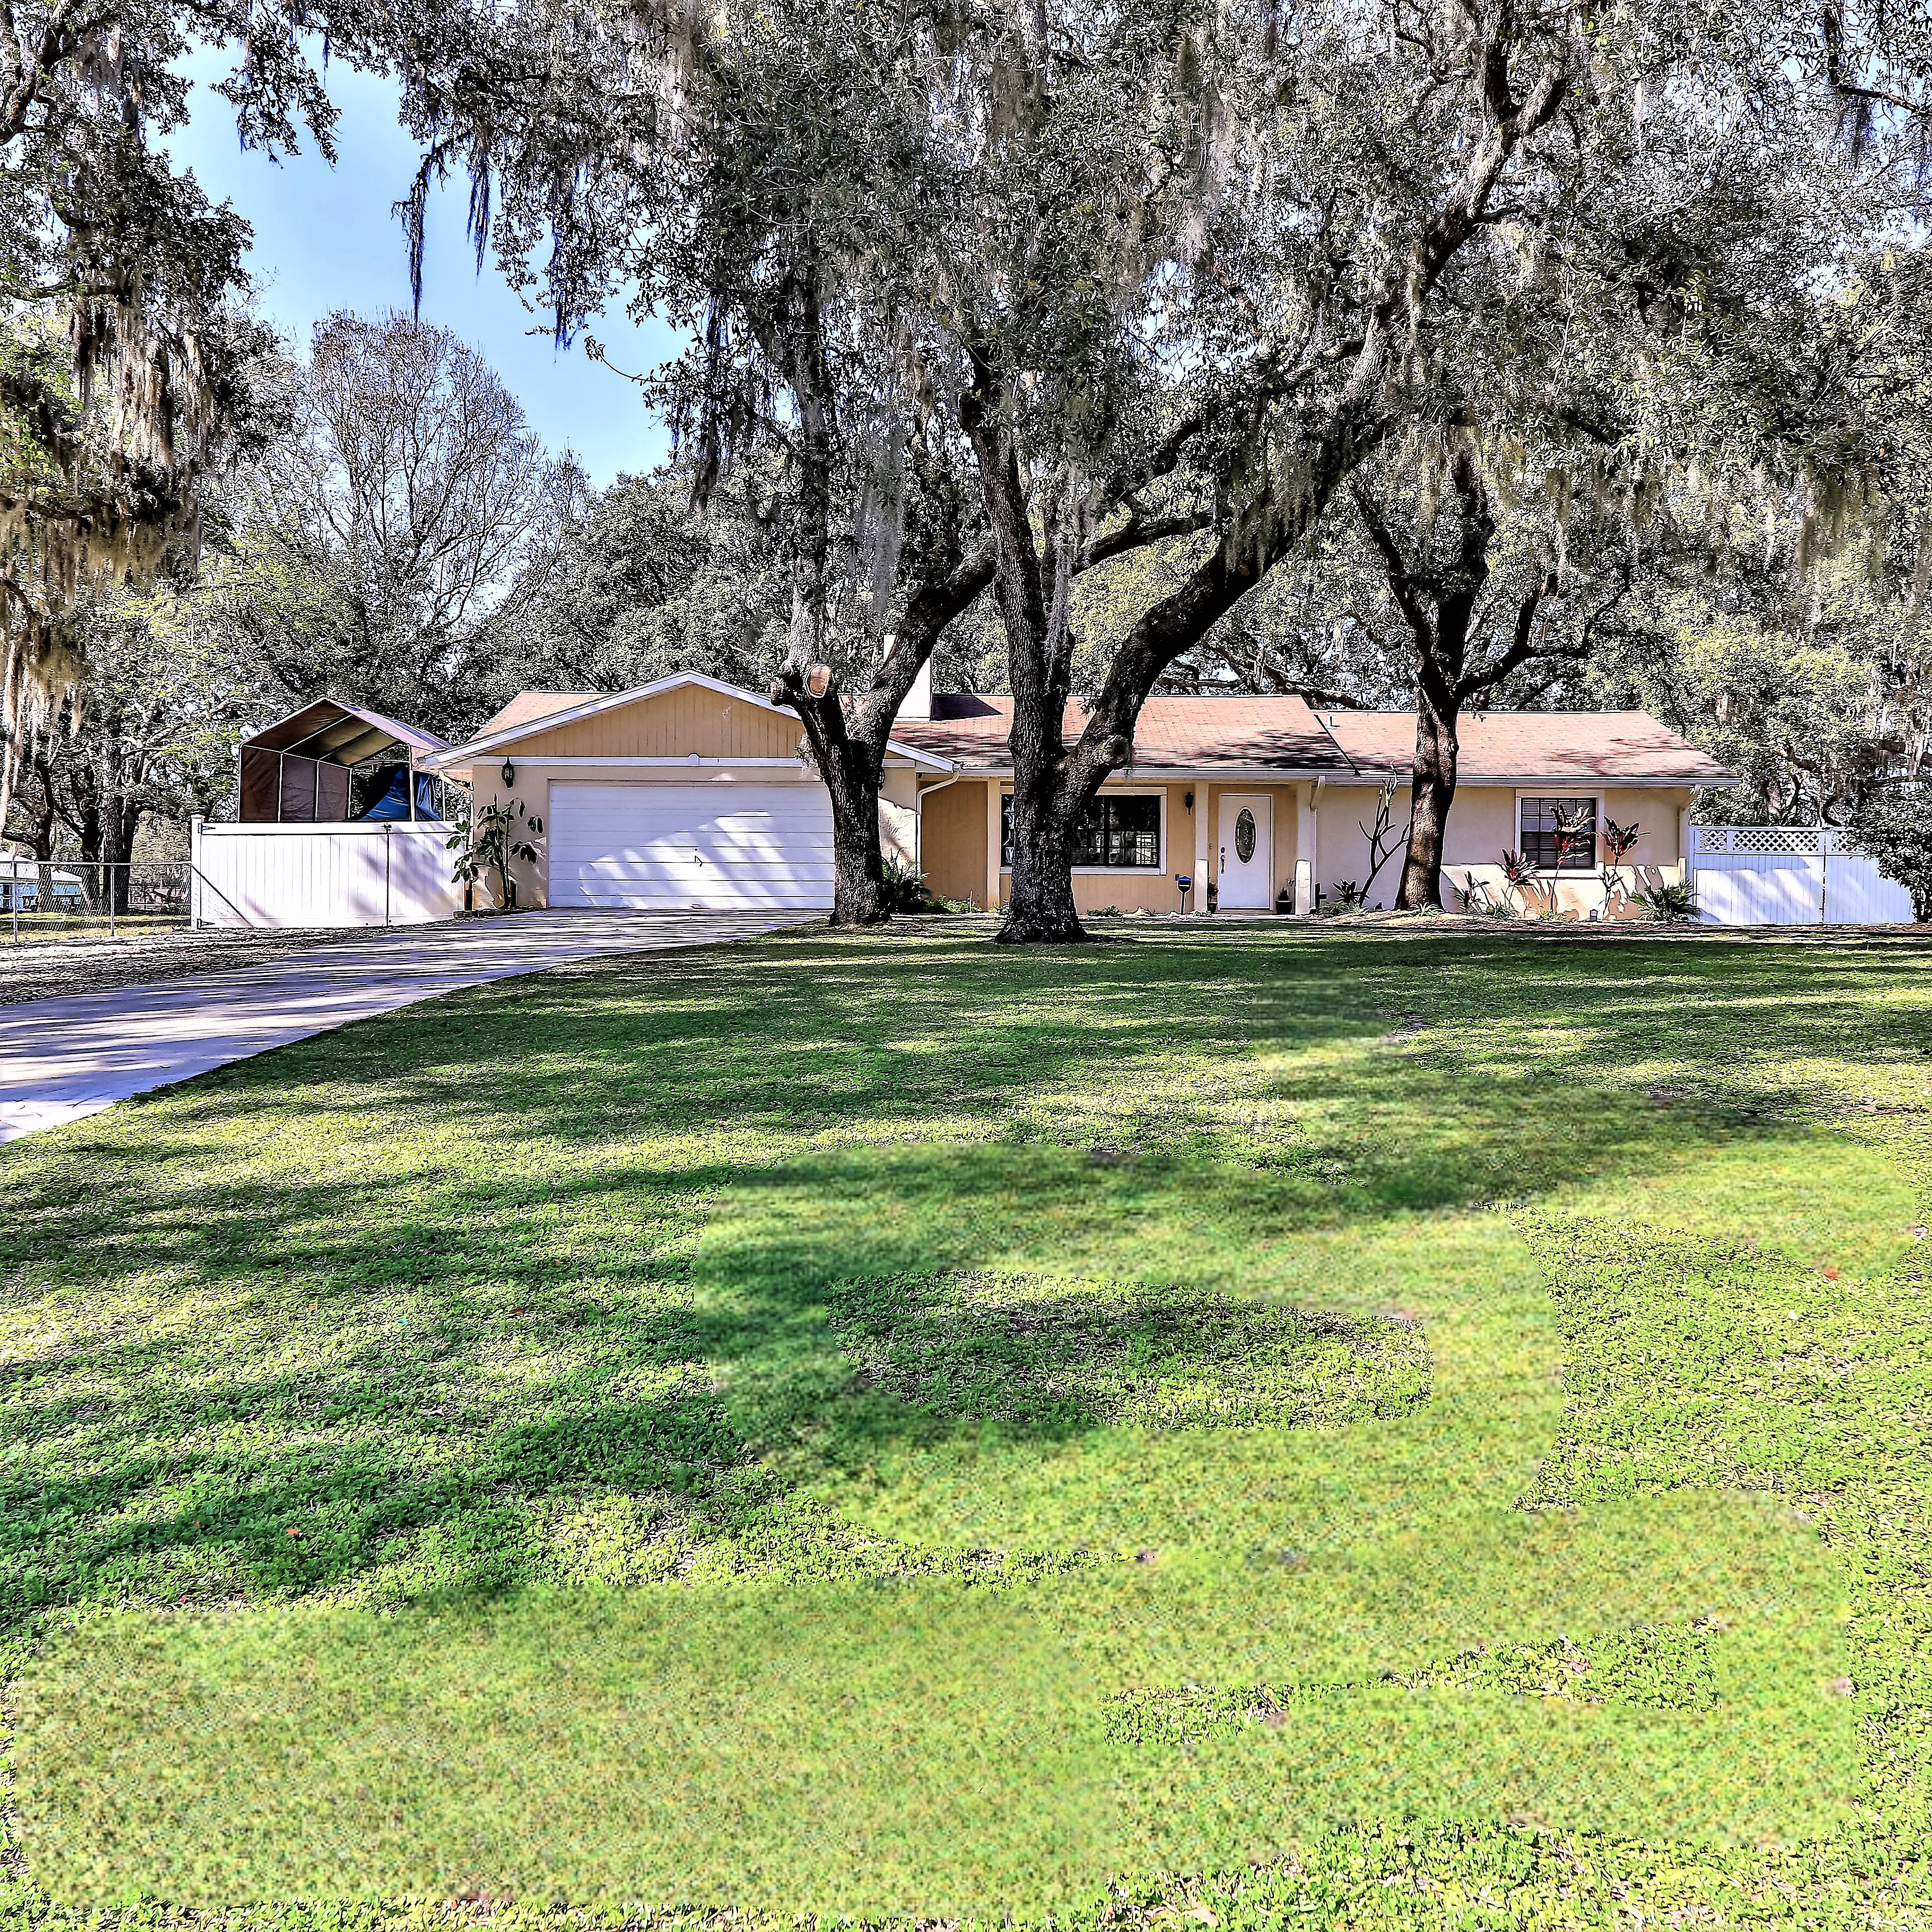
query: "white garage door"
679, 848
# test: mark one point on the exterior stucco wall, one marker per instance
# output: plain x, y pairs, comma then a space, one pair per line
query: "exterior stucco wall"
531, 793
1342, 848
1660, 816
952, 840
899, 815
1483, 824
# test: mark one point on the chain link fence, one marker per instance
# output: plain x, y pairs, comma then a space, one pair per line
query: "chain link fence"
59, 898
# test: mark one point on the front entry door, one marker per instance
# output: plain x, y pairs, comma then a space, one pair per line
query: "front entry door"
1246, 870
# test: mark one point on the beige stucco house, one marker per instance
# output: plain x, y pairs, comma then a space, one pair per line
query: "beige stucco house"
1307, 783
692, 793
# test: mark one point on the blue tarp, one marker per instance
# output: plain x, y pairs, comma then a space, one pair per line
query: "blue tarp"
393, 802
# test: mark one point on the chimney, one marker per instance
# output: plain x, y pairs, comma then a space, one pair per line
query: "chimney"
919, 699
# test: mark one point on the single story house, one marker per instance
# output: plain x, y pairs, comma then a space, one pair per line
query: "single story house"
1255, 797
20, 886
688, 793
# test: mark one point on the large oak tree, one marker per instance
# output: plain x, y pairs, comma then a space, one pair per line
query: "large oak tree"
130, 371
1492, 221
1007, 291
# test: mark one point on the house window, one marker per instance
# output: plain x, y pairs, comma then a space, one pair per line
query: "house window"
1559, 835
1117, 834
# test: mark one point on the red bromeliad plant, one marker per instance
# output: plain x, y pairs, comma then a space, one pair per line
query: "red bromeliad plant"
1573, 827
1617, 841
1519, 873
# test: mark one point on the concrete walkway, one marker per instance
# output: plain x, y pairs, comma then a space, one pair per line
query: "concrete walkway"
62, 1058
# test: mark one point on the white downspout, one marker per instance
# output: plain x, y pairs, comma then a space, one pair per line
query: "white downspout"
919, 799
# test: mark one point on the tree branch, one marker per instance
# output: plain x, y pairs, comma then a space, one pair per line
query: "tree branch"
1401, 584
1522, 645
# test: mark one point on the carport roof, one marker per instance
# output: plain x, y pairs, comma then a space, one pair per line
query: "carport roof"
341, 734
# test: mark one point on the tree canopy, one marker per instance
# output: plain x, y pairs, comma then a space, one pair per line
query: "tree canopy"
131, 370
1041, 284
394, 542
643, 583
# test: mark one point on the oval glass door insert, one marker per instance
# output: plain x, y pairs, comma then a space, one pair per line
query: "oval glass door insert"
1244, 835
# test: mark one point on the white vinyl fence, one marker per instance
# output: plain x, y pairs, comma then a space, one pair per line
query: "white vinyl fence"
1788, 875
396, 874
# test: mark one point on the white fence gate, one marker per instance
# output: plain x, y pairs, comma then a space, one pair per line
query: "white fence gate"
1790, 875
396, 874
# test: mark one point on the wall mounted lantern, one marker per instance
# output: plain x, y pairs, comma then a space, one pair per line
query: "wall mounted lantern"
509, 773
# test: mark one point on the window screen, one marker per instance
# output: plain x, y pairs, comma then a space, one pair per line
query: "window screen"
1121, 833
1559, 835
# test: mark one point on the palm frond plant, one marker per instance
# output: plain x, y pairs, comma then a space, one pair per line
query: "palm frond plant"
1674, 900
1475, 895
905, 889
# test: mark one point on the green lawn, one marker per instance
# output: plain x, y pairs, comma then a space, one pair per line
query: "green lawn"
1262, 1424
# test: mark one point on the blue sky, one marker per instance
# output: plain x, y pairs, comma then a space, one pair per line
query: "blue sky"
325, 239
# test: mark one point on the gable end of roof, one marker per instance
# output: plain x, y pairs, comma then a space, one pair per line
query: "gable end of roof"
527, 714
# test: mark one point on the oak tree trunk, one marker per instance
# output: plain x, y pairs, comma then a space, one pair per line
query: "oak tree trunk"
1040, 900
858, 859
1040, 905
1052, 782
1432, 792
39, 819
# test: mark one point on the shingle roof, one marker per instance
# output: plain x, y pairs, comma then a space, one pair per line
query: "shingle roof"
1174, 733
1284, 734
1494, 745
529, 704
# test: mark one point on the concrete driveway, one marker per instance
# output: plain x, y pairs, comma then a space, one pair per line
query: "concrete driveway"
62, 1058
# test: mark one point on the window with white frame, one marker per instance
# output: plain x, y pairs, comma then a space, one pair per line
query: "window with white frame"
1559, 832
1119, 832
